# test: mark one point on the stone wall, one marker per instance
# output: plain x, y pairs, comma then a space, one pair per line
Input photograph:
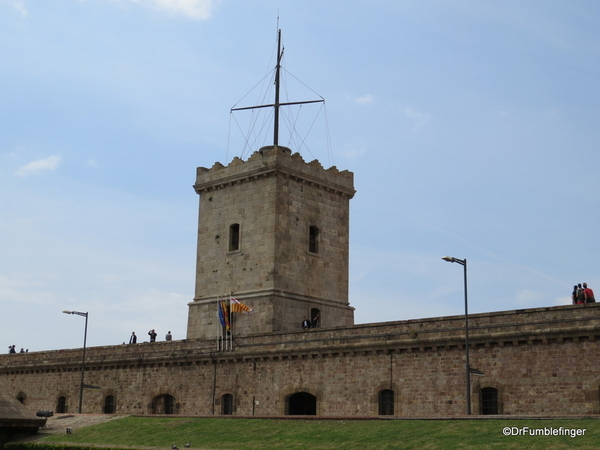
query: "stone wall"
541, 361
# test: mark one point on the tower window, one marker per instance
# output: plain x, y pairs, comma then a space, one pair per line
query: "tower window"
234, 237
313, 239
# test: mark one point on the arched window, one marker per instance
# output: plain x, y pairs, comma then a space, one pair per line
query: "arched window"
489, 400
227, 404
109, 404
234, 237
302, 404
61, 405
386, 402
313, 239
163, 404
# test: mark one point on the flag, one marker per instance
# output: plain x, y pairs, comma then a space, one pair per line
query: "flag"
220, 313
225, 313
239, 307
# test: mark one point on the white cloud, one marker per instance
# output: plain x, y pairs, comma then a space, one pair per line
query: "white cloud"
18, 5
355, 148
92, 163
365, 99
354, 153
34, 167
419, 119
196, 9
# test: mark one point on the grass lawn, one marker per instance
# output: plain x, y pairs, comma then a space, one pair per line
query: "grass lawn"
333, 434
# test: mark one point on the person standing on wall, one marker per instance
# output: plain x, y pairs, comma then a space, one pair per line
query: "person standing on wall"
133, 338
152, 335
588, 294
574, 295
580, 295
315, 322
169, 336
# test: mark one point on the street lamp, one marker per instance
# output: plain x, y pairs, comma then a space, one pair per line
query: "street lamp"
463, 262
84, 314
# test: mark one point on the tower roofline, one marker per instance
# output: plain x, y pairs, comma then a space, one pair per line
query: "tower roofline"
270, 160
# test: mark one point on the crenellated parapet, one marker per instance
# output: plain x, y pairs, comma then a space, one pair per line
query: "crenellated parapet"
270, 161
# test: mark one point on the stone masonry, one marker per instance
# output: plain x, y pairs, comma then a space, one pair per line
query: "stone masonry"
274, 198
541, 361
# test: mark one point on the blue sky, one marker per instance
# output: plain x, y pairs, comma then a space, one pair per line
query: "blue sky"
471, 128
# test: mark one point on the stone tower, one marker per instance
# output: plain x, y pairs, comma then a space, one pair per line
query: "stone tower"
273, 230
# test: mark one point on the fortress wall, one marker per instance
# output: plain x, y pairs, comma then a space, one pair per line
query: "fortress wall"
542, 361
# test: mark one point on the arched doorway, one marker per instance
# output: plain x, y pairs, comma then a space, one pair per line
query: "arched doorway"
315, 318
227, 404
302, 404
489, 401
163, 404
61, 405
386, 402
109, 404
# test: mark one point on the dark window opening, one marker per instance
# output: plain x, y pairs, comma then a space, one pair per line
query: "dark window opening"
302, 404
21, 397
163, 404
489, 401
315, 318
386, 402
313, 239
234, 237
227, 404
109, 404
61, 405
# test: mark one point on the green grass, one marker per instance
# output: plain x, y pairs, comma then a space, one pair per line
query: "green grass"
331, 434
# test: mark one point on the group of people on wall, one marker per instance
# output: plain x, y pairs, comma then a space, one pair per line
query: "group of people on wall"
12, 349
582, 294
152, 333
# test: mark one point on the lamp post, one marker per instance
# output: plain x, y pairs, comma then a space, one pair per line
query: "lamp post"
463, 262
84, 314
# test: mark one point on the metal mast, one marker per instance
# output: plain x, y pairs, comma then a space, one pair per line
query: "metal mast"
277, 105
277, 74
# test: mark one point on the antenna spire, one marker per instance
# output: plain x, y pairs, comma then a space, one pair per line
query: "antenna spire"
277, 105
277, 75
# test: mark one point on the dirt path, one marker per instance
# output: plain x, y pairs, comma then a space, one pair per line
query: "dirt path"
58, 424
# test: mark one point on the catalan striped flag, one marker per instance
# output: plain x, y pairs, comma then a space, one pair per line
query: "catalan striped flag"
239, 307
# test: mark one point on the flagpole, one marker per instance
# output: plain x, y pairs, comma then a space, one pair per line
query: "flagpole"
230, 324
218, 323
